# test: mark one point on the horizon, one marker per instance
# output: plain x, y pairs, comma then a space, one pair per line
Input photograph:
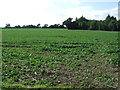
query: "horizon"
27, 12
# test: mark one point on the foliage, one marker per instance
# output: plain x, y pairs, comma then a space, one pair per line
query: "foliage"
59, 58
8, 25
109, 24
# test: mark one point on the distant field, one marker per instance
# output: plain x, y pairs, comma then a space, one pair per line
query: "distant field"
59, 58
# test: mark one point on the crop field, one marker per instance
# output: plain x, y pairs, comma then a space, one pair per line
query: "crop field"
59, 58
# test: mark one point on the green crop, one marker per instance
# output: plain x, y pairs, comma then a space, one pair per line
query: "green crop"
59, 58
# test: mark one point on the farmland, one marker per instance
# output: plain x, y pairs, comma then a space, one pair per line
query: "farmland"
59, 58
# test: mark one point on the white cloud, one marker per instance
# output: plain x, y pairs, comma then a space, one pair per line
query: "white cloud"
75, 2
101, 14
87, 12
23, 12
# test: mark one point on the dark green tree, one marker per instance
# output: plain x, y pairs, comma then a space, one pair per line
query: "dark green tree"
8, 25
112, 25
93, 25
82, 23
56, 26
38, 25
18, 26
45, 26
81, 19
68, 23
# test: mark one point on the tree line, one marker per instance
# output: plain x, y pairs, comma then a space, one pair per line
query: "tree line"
109, 24
36, 26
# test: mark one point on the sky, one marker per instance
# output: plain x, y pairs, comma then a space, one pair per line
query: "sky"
26, 12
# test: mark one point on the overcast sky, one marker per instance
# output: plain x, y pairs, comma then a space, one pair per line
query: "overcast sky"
24, 12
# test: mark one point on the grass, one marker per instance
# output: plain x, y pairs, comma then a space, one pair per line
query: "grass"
59, 58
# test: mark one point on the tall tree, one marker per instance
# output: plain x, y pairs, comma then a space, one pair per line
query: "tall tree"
18, 26
100, 25
45, 26
8, 25
38, 25
112, 25
68, 23
93, 25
